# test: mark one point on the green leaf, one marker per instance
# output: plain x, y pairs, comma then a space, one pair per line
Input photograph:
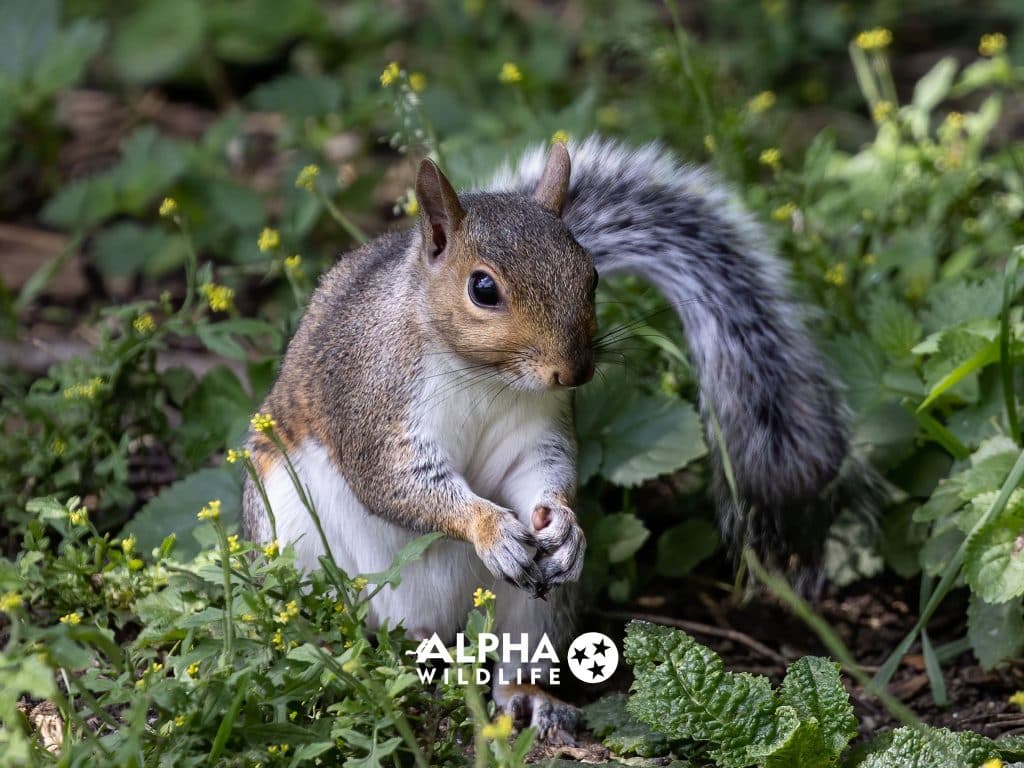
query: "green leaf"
934, 86
928, 748
409, 553
123, 249
892, 326
994, 564
681, 688
620, 535
65, 60
27, 32
996, 631
812, 687
683, 546
622, 733
299, 95
175, 508
156, 40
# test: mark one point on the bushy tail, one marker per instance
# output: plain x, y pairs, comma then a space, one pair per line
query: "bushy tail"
781, 420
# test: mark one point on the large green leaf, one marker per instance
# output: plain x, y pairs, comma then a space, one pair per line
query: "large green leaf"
813, 689
683, 546
930, 748
175, 508
622, 733
996, 631
994, 564
158, 39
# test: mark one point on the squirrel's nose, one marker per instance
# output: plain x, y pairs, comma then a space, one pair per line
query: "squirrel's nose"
574, 376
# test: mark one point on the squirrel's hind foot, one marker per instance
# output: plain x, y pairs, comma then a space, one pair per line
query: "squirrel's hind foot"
556, 721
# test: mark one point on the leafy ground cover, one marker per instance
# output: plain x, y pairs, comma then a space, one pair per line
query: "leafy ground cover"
178, 174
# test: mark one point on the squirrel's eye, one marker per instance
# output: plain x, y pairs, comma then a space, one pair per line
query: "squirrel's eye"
483, 290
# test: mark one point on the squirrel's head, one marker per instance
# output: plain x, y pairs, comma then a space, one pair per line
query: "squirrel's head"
506, 284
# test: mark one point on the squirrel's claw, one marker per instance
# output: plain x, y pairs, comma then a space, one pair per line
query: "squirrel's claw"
560, 547
511, 556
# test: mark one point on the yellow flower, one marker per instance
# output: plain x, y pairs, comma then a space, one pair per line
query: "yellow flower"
359, 583
1018, 699
417, 81
248, 618
482, 597
179, 721
269, 239
155, 667
281, 749
390, 74
307, 178
955, 120
290, 612
992, 44
761, 103
168, 207
771, 157
836, 275
85, 391
882, 111
211, 511
278, 640
238, 455
144, 324
995, 762
193, 669
501, 728
510, 73
219, 297
874, 39
293, 266
71, 618
412, 205
710, 144
128, 545
9, 601
233, 545
869, 259
270, 551
784, 212
58, 446
263, 422
560, 137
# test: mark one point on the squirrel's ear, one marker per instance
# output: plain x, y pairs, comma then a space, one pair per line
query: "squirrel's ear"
440, 210
554, 181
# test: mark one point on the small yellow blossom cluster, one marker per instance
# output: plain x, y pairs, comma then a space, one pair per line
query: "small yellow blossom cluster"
482, 597
560, 137
233, 545
58, 446
417, 81
359, 583
85, 391
71, 618
278, 641
390, 74
128, 545
168, 207
510, 74
293, 266
219, 297
836, 275
771, 157
9, 601
761, 103
955, 120
269, 239
992, 44
193, 669
501, 728
1017, 699
290, 612
995, 762
411, 206
78, 516
874, 39
262, 422
270, 550
144, 324
154, 669
882, 111
236, 455
710, 144
179, 721
307, 177
210, 512
278, 749
784, 212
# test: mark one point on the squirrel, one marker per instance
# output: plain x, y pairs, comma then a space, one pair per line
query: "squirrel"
429, 385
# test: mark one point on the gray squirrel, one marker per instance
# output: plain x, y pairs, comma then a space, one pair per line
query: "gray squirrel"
428, 388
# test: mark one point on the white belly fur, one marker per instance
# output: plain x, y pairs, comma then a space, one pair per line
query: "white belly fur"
486, 436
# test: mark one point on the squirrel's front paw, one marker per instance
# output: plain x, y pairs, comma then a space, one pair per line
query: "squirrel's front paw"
560, 542
505, 546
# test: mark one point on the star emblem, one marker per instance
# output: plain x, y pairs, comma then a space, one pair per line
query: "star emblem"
596, 670
580, 655
601, 648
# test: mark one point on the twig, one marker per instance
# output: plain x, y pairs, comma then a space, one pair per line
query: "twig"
702, 629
